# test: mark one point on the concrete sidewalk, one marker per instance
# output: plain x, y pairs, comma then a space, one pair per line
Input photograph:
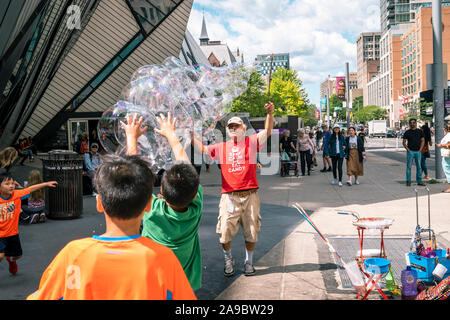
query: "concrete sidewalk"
301, 266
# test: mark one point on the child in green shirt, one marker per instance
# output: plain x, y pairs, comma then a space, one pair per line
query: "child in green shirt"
175, 217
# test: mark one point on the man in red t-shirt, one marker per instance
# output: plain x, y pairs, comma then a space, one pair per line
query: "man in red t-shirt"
239, 204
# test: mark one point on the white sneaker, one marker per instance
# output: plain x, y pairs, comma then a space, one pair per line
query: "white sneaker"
357, 182
333, 181
340, 184
349, 182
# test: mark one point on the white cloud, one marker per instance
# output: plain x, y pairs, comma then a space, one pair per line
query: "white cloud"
315, 32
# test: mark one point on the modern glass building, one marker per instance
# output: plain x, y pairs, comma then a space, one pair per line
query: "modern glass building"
64, 62
280, 60
394, 12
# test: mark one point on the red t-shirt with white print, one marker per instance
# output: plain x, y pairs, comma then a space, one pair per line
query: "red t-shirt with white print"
237, 163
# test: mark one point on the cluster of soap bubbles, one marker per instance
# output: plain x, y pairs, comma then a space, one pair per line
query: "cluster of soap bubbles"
197, 96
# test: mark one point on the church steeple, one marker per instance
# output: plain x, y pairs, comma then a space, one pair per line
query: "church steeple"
204, 39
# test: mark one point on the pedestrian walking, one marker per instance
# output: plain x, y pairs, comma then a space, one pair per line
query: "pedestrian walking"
336, 150
362, 133
319, 136
92, 161
426, 150
304, 145
413, 142
355, 155
445, 153
313, 151
326, 157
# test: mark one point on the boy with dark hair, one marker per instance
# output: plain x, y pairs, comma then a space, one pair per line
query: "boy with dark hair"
10, 206
174, 219
120, 264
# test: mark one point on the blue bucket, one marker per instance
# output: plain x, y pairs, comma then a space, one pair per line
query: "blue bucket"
377, 265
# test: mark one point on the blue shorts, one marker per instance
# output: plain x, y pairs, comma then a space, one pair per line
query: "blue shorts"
10, 246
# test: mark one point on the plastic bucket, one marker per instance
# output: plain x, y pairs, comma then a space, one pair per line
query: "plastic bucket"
377, 265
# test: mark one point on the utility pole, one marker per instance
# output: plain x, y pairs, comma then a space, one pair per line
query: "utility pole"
347, 93
438, 85
328, 102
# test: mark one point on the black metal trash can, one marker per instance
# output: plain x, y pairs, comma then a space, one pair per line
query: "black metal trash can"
66, 200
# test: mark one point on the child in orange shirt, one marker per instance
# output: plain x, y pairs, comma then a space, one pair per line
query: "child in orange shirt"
10, 206
120, 264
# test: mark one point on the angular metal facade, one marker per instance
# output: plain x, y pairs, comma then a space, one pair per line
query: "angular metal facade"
85, 70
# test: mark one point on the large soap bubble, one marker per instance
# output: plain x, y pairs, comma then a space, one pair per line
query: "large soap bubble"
197, 96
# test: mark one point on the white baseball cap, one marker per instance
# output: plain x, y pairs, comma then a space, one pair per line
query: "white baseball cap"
235, 120
336, 126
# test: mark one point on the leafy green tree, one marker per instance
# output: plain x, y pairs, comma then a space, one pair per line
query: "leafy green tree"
253, 99
310, 117
335, 102
287, 100
357, 104
369, 113
286, 92
424, 106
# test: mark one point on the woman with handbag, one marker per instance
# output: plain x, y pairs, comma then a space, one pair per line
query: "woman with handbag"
355, 154
445, 153
426, 150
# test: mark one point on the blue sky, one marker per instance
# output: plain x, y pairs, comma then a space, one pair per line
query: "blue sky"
320, 35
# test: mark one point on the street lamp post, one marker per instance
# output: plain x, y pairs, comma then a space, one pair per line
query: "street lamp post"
347, 93
438, 86
328, 102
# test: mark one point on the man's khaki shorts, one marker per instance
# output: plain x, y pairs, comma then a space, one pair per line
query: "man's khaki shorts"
239, 209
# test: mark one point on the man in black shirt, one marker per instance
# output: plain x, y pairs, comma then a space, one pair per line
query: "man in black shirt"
362, 134
413, 141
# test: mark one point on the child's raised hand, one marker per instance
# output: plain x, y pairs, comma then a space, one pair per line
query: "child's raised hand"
133, 127
52, 184
167, 125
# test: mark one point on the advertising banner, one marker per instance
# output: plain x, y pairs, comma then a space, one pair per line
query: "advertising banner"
340, 87
317, 114
323, 104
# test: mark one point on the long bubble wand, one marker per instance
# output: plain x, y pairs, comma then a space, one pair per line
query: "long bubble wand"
270, 75
307, 218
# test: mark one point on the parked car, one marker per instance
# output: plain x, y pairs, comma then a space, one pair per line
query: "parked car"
390, 134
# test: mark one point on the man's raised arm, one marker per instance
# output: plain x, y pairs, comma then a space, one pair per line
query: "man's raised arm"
268, 127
